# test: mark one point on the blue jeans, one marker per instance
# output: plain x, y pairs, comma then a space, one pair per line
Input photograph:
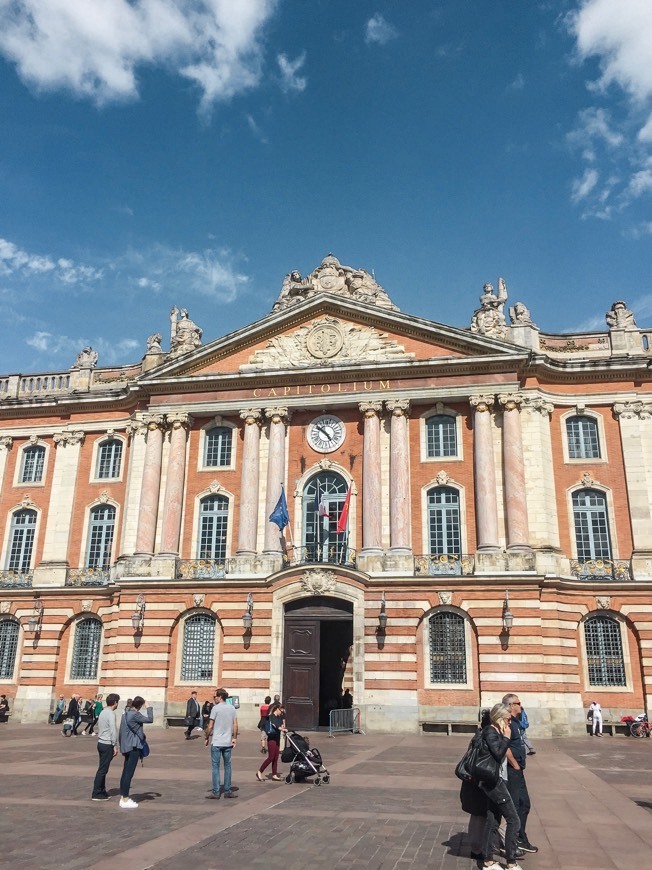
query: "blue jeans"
218, 752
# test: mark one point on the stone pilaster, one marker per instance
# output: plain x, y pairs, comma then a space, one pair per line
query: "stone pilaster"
136, 432
149, 493
518, 534
179, 425
250, 482
278, 420
635, 420
399, 477
485, 475
6, 443
371, 480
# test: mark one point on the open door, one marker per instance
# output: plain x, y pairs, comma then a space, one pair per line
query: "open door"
301, 672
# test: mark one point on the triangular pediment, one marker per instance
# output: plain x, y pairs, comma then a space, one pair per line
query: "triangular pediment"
327, 331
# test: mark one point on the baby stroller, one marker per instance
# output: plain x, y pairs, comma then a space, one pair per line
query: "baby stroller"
304, 762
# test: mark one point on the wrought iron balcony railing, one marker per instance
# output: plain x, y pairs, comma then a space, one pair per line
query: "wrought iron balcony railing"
456, 565
16, 579
200, 569
602, 569
337, 554
88, 576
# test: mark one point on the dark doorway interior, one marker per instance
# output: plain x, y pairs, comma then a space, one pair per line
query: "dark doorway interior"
318, 637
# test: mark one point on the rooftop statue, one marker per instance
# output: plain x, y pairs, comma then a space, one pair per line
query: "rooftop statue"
519, 315
154, 343
489, 319
332, 277
185, 335
620, 317
86, 359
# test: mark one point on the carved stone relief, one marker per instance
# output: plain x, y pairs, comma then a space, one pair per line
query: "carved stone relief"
587, 479
318, 581
603, 602
445, 597
5, 606
87, 604
442, 478
198, 599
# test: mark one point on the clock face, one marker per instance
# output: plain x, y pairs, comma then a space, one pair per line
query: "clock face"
326, 433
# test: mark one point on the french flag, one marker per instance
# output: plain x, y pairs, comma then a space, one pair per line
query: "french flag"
344, 516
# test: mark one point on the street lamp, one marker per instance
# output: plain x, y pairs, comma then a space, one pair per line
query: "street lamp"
248, 615
508, 616
36, 618
382, 616
138, 617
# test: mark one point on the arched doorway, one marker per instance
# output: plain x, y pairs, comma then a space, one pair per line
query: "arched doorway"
318, 640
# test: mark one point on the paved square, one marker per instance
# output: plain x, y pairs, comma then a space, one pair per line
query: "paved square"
392, 803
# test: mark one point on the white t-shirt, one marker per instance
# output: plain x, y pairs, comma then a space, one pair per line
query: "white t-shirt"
223, 716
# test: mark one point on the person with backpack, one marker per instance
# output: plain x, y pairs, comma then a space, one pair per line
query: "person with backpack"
274, 726
262, 724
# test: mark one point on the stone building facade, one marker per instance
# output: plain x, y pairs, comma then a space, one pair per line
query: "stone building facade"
467, 514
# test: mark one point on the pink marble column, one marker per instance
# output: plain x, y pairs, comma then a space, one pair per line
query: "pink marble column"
399, 477
372, 524
486, 511
518, 534
149, 493
249, 485
278, 419
175, 482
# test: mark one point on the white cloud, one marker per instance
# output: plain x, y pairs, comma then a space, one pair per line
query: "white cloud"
641, 181
22, 264
583, 186
379, 30
256, 130
110, 352
290, 81
95, 48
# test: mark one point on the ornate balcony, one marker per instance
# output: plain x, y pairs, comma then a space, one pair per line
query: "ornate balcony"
601, 569
88, 576
444, 564
200, 569
16, 579
315, 554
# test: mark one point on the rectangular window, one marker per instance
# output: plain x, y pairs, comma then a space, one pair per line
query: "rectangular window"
217, 447
583, 442
33, 462
441, 437
108, 459
604, 652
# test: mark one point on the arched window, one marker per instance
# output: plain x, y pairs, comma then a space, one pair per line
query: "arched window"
86, 651
441, 436
323, 500
217, 446
109, 459
447, 648
583, 440
21, 540
100, 536
31, 469
604, 652
8, 648
444, 536
198, 648
213, 525
591, 525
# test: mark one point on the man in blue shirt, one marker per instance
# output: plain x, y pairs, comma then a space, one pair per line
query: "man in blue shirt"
516, 772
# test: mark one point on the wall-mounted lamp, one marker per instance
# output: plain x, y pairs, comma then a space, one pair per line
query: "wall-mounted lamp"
35, 620
508, 616
382, 616
248, 615
138, 618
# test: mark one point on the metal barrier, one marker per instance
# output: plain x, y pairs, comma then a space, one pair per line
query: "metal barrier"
344, 720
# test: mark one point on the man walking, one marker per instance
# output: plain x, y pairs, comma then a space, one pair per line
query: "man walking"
193, 713
74, 713
516, 771
221, 733
107, 746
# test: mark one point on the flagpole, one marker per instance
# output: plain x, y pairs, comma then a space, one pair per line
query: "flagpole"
289, 526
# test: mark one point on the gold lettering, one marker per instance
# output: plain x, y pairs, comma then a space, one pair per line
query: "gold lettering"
256, 394
383, 385
286, 390
368, 385
298, 389
355, 386
272, 392
310, 389
339, 388
325, 388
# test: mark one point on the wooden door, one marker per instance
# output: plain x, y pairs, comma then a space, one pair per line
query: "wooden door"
301, 672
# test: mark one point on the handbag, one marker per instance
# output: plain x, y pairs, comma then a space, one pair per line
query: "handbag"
589, 716
465, 764
485, 768
145, 750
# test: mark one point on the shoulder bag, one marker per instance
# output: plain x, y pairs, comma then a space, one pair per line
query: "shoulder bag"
144, 749
465, 764
485, 768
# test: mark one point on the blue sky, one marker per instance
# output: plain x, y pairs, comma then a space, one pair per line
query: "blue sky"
192, 152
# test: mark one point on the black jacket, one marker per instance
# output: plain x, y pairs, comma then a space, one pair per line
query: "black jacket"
73, 710
193, 710
497, 743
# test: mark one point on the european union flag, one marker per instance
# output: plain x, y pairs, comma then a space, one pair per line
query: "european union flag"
280, 514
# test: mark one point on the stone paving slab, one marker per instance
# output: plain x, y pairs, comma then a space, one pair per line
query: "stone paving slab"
392, 803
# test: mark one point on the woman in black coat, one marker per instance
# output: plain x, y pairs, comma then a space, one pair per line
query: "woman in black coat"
499, 803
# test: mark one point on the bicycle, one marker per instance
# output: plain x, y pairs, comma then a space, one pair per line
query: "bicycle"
640, 728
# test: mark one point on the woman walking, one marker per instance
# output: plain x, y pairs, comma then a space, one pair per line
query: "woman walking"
499, 803
93, 714
275, 725
262, 723
132, 743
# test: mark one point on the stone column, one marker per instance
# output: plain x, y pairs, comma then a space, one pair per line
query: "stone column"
635, 420
62, 499
518, 535
250, 482
136, 432
149, 493
399, 477
486, 510
179, 424
372, 526
278, 419
6, 442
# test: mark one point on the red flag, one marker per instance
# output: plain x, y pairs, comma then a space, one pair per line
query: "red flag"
344, 516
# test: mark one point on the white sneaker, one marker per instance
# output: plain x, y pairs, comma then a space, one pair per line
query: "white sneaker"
494, 866
514, 867
127, 804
